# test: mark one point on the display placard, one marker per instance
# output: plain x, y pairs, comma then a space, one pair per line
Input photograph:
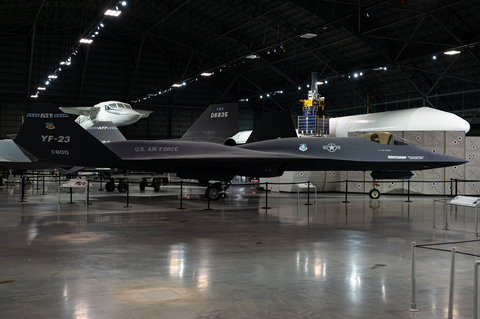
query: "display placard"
77, 183
465, 201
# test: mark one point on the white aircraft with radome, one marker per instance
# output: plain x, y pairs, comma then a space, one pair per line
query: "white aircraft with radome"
118, 113
415, 119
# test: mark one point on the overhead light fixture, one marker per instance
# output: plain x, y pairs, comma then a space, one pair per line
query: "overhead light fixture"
206, 74
88, 41
102, 25
176, 85
252, 56
452, 52
47, 82
434, 57
308, 35
124, 3
52, 76
34, 96
113, 13
320, 83
41, 88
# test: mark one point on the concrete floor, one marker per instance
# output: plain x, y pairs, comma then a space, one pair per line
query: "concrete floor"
152, 260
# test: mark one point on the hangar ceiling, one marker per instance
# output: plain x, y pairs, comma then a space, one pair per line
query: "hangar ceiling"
256, 52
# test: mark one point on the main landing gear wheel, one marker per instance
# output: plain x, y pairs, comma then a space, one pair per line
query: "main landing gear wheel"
142, 185
213, 192
122, 187
109, 186
374, 193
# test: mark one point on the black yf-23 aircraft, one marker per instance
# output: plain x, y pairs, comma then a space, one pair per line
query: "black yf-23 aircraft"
50, 135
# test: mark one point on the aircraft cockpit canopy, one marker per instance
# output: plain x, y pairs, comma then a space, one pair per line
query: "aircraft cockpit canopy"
117, 105
384, 138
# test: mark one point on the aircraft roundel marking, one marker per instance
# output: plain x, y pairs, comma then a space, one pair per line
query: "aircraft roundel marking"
331, 147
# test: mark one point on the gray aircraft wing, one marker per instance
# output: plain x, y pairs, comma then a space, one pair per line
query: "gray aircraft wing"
77, 110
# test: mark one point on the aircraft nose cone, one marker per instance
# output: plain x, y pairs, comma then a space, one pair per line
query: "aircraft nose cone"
428, 119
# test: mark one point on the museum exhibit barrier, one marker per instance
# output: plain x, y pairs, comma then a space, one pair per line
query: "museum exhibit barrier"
451, 293
303, 185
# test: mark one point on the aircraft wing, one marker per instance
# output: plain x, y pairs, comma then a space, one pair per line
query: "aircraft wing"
77, 110
144, 113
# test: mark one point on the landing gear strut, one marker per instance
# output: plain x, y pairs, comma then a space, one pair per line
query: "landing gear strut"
216, 191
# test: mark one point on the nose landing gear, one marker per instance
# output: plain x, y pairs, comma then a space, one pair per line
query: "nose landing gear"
374, 193
216, 191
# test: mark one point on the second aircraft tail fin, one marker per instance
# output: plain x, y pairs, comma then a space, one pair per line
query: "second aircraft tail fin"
273, 125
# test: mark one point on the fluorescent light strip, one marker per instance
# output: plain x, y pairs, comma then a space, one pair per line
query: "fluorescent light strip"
452, 52
113, 13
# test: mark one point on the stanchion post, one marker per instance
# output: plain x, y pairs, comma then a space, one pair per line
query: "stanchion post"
346, 192
181, 195
476, 315
451, 186
128, 195
266, 197
434, 211
22, 199
408, 192
308, 195
413, 305
445, 225
43, 185
456, 187
476, 221
451, 293
88, 192
100, 187
208, 204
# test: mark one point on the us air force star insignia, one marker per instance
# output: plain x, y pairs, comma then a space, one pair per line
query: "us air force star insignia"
303, 147
331, 147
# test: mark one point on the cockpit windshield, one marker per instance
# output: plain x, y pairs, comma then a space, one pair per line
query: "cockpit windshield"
378, 137
112, 106
384, 138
